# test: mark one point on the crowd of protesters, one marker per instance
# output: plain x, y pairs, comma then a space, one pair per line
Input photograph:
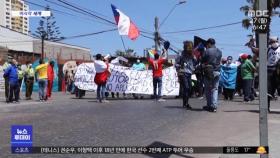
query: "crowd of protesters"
201, 70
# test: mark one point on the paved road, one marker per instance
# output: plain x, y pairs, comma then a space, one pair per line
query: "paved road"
66, 121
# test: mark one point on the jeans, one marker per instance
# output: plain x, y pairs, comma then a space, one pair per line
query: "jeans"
42, 88
101, 92
157, 83
211, 91
247, 88
186, 86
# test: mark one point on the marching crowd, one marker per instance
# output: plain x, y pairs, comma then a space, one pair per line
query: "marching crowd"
200, 70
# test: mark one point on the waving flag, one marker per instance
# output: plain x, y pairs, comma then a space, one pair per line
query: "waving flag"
125, 25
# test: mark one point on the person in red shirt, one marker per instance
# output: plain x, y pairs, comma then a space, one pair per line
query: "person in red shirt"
156, 64
101, 76
50, 78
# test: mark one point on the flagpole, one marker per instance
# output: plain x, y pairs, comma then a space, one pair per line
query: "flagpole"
123, 44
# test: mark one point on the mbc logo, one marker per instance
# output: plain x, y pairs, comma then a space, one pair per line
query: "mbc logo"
258, 13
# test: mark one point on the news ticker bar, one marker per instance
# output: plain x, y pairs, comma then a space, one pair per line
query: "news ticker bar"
142, 150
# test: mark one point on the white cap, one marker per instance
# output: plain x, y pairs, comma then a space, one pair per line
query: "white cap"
273, 38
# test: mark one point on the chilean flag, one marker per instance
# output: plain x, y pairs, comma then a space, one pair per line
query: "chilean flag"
125, 25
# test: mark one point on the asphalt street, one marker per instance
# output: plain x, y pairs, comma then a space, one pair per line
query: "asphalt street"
67, 121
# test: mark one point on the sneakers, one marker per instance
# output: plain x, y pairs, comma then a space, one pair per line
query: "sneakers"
188, 107
209, 108
104, 101
206, 108
161, 100
213, 110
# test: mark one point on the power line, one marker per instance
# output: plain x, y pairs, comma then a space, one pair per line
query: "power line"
78, 8
204, 28
75, 10
88, 12
64, 13
88, 34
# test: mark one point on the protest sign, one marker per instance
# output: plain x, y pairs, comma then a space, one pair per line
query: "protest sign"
84, 77
126, 80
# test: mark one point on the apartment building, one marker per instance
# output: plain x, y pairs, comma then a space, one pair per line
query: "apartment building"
19, 24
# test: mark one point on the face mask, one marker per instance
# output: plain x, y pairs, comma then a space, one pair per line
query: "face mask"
275, 45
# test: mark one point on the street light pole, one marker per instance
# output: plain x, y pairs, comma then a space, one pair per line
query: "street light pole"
181, 2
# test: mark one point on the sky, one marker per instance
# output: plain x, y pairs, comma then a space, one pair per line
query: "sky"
194, 14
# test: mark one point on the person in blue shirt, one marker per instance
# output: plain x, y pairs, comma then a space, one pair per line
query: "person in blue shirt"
228, 78
11, 73
138, 66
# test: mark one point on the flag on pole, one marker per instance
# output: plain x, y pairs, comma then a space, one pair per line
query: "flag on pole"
125, 25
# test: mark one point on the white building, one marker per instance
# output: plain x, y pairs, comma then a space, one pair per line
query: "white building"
19, 24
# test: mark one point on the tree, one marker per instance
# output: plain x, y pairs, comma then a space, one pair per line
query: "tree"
127, 53
47, 28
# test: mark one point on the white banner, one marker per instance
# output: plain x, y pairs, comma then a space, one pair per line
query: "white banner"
124, 79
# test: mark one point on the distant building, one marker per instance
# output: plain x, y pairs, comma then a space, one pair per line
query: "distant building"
19, 24
55, 50
24, 47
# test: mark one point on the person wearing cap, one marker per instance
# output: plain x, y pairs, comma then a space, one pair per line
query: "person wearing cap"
211, 60
186, 66
247, 74
138, 66
228, 78
157, 65
5, 66
11, 73
29, 80
273, 59
42, 72
50, 78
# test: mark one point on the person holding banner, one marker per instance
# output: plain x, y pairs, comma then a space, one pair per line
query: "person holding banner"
186, 66
101, 76
157, 64
138, 66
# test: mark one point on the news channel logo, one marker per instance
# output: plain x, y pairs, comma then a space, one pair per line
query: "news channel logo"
21, 139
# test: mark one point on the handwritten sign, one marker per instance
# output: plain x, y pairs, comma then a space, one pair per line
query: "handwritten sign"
126, 80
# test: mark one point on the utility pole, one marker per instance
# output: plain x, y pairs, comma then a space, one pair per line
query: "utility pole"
263, 128
156, 34
43, 35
